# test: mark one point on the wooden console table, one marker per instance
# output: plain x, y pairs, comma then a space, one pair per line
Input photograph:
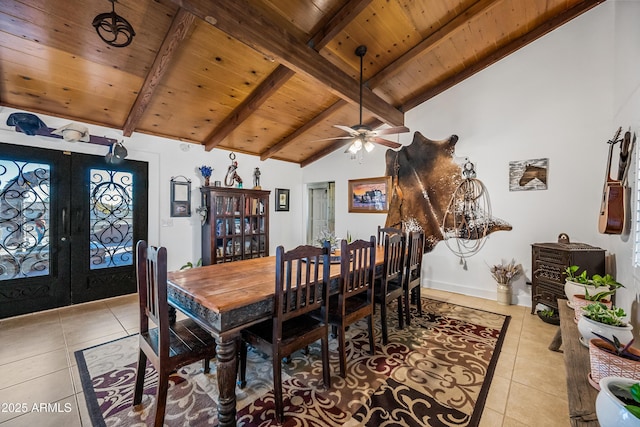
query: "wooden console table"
582, 396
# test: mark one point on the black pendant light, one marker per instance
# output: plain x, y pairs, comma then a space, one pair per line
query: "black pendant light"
113, 29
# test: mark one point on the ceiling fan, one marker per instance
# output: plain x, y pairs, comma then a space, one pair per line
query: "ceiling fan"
363, 136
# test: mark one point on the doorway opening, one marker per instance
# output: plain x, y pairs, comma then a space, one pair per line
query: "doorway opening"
321, 216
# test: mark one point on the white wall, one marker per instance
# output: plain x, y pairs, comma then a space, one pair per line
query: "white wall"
561, 98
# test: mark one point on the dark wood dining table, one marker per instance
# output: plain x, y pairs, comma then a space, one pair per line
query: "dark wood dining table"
224, 299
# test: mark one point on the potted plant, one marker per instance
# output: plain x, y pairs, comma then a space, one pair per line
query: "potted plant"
503, 274
549, 315
617, 404
599, 319
609, 356
603, 287
576, 283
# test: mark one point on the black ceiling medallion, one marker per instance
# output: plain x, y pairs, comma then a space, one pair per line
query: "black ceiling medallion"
113, 29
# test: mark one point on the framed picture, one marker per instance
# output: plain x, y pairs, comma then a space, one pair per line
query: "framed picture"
282, 200
528, 174
369, 195
180, 209
180, 196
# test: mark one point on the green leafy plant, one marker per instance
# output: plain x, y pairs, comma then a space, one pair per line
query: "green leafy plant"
327, 236
547, 313
599, 312
634, 390
578, 278
189, 264
619, 349
600, 296
629, 395
606, 280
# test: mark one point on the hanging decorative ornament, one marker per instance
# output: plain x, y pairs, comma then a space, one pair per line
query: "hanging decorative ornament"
113, 29
468, 221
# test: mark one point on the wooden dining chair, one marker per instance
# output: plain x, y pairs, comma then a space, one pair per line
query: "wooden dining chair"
167, 346
390, 286
355, 299
384, 231
302, 287
415, 253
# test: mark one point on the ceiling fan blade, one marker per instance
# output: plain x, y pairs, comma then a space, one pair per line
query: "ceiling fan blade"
391, 131
384, 142
347, 129
331, 139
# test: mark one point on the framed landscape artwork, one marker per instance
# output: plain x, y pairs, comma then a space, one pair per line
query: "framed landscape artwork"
369, 195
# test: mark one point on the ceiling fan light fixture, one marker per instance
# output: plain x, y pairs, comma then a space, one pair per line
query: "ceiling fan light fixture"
353, 149
369, 146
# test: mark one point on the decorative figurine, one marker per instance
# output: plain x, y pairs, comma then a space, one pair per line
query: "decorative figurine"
232, 175
256, 179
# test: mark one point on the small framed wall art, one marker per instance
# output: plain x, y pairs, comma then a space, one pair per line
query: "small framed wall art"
282, 200
528, 174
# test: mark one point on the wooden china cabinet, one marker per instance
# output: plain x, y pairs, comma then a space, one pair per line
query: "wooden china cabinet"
236, 226
549, 261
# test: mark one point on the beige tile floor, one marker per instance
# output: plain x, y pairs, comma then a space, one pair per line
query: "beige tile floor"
37, 364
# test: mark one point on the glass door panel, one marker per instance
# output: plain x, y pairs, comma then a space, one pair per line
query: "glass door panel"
24, 215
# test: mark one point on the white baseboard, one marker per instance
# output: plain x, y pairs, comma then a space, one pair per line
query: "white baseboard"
522, 297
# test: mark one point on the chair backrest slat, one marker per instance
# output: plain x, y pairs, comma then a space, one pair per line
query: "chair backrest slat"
151, 269
302, 280
415, 253
357, 264
394, 256
387, 231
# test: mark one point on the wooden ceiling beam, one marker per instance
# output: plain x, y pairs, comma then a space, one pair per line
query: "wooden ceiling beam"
273, 82
180, 27
242, 21
431, 41
337, 23
256, 98
504, 51
301, 130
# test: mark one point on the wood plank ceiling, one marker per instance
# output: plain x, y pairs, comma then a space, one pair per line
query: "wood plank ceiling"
264, 77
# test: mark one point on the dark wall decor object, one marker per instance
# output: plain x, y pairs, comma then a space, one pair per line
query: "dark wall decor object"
180, 196
369, 195
282, 200
117, 153
425, 178
28, 123
549, 262
113, 29
528, 174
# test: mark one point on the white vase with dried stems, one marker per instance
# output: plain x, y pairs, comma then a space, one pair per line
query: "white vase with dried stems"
504, 274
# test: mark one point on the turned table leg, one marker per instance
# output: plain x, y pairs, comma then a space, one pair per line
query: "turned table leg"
226, 360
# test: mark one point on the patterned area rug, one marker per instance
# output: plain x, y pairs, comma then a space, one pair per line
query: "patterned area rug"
435, 373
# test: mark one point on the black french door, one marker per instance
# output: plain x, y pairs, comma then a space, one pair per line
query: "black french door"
68, 227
